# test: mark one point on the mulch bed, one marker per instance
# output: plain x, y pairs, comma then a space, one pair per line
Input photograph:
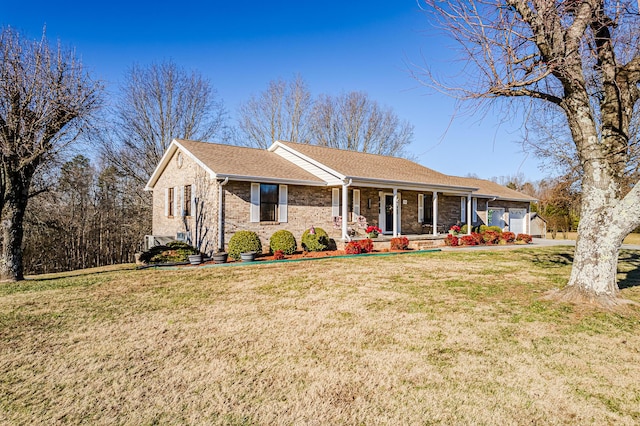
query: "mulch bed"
304, 255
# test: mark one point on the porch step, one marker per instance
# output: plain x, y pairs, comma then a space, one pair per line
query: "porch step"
424, 244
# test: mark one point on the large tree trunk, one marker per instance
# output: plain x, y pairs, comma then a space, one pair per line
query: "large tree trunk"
12, 232
593, 276
16, 198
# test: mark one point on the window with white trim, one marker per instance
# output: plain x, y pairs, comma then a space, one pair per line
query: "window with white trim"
463, 209
268, 202
425, 208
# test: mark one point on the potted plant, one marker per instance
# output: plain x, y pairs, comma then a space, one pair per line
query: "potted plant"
248, 256
195, 259
373, 231
220, 257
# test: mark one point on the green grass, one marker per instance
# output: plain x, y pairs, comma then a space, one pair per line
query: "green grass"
435, 338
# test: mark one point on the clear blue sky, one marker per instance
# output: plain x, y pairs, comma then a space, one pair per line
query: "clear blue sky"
336, 46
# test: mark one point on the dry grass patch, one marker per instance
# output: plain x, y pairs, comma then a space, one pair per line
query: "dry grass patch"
442, 338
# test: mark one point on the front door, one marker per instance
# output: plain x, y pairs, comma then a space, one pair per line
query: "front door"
388, 213
496, 217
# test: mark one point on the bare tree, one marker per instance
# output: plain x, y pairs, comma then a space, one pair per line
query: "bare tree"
582, 59
279, 113
158, 103
355, 122
46, 98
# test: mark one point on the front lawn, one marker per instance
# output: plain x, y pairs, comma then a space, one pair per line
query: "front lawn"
425, 338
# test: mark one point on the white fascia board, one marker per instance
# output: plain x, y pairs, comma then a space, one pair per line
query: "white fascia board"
410, 186
277, 145
173, 147
524, 200
263, 179
161, 166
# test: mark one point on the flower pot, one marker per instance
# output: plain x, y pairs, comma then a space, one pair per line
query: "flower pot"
372, 235
220, 257
195, 259
249, 256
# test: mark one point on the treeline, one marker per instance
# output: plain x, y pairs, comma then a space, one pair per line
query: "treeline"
86, 217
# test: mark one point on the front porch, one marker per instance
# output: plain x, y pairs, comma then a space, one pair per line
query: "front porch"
416, 241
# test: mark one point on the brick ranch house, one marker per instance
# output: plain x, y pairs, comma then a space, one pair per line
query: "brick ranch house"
204, 192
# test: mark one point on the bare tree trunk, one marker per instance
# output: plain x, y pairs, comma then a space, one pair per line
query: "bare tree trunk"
15, 206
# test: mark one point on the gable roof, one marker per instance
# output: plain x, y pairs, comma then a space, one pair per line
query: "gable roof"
487, 188
374, 167
304, 164
237, 163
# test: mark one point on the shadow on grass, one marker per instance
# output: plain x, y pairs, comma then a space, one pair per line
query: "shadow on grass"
552, 260
629, 268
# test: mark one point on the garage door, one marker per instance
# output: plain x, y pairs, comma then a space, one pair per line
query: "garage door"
517, 221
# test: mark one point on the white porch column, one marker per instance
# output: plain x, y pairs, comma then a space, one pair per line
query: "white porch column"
435, 213
395, 212
469, 214
345, 211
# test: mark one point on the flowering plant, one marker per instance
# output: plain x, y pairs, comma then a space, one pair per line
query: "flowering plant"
373, 230
454, 230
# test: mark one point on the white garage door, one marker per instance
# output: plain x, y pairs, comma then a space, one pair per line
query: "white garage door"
517, 223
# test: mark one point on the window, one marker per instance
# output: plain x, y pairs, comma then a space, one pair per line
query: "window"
170, 201
186, 200
428, 208
425, 208
463, 209
268, 202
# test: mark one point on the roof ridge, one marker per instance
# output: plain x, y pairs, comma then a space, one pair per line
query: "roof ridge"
346, 150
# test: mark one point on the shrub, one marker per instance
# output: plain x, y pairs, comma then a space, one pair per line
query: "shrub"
478, 238
399, 243
353, 247
278, 255
175, 251
451, 240
366, 245
508, 237
283, 241
495, 229
315, 242
244, 241
467, 240
524, 237
491, 237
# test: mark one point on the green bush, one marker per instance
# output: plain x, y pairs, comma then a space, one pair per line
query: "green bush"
495, 229
242, 242
283, 240
315, 242
175, 251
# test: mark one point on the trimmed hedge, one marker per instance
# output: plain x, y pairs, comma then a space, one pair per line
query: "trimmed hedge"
283, 241
318, 241
242, 242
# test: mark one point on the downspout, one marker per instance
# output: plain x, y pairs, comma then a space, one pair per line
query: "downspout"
220, 213
345, 210
469, 212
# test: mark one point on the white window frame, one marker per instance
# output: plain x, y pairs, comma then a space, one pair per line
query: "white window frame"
335, 202
283, 201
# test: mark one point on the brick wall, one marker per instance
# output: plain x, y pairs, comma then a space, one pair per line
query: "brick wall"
204, 217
